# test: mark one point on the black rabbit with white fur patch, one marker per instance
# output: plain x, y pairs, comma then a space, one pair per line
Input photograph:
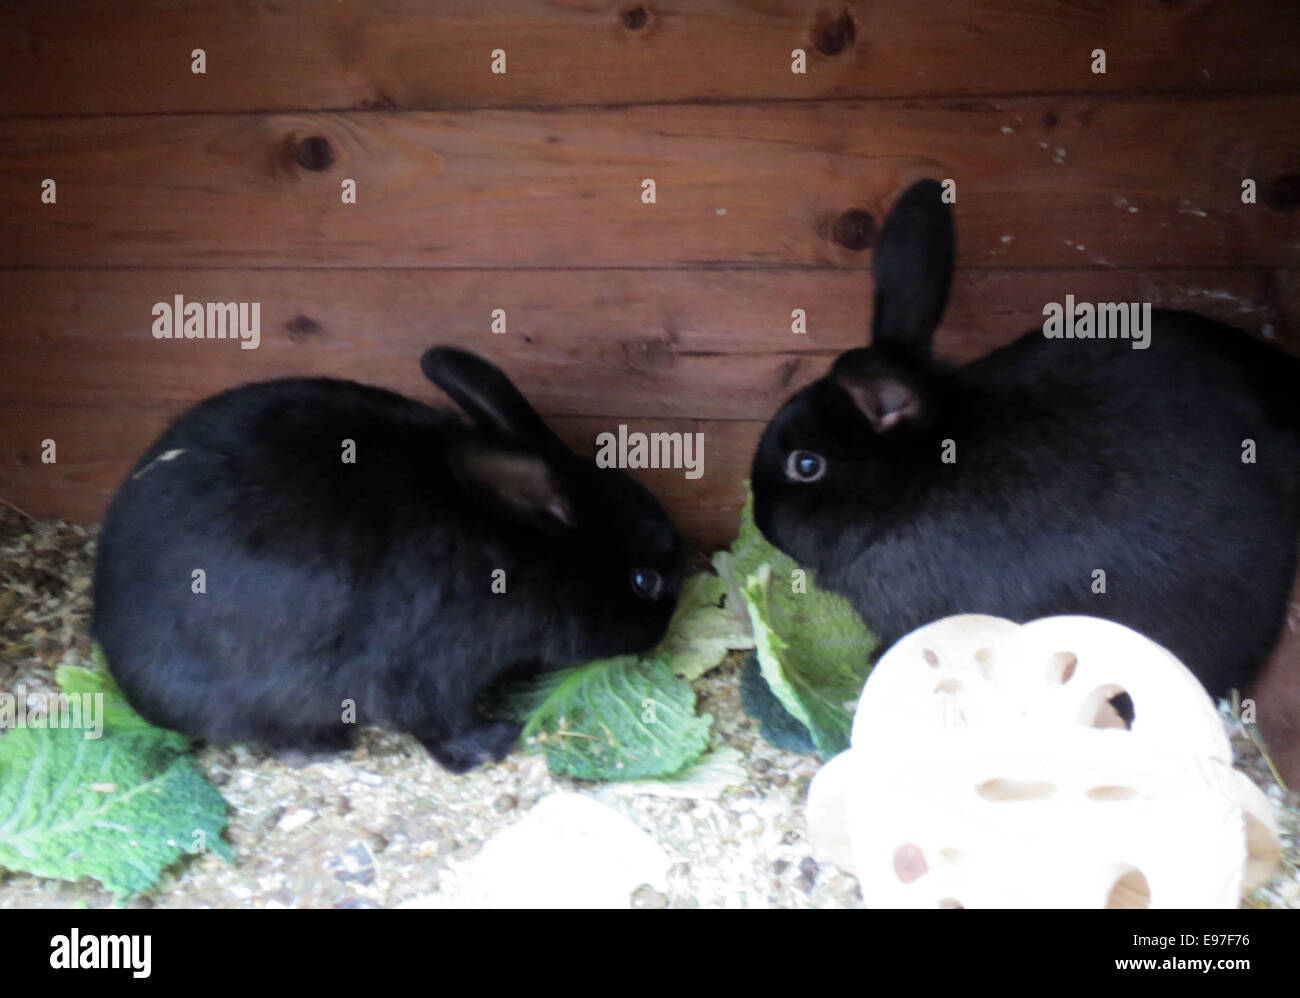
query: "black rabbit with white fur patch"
444, 557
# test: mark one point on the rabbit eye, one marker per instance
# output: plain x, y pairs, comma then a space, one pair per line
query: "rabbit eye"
646, 583
804, 466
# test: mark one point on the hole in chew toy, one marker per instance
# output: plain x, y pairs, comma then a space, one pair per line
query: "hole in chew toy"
1060, 669
930, 657
1005, 790
1131, 890
909, 862
1123, 704
1111, 793
949, 686
1108, 706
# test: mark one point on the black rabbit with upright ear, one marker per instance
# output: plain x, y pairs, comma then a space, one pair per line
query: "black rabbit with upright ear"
294, 558
1005, 486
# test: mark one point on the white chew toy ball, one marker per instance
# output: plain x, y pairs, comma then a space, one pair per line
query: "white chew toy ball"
989, 769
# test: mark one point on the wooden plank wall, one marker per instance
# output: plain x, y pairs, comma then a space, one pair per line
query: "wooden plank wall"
522, 191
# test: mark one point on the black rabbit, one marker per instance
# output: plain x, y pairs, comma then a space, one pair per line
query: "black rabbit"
370, 592
1063, 457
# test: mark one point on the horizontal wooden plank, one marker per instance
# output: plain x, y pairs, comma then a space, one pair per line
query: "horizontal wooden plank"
650, 344
1040, 182
96, 446
664, 350
98, 56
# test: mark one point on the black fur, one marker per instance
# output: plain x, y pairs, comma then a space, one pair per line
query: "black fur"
371, 582
1071, 456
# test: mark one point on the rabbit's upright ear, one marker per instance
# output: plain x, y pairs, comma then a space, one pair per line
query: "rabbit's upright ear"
515, 484
913, 270
886, 393
488, 397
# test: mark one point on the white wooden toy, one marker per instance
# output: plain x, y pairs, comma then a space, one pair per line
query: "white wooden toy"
989, 769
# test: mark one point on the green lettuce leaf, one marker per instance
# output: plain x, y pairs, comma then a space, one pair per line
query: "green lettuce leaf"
747, 554
614, 719
702, 630
812, 647
709, 777
121, 808
813, 650
776, 724
118, 715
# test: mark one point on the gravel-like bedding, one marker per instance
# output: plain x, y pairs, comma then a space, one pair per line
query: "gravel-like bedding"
385, 825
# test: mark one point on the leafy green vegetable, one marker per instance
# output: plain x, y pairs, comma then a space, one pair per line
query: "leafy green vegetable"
813, 650
812, 647
618, 718
118, 715
589, 720
747, 554
120, 808
775, 723
708, 777
702, 630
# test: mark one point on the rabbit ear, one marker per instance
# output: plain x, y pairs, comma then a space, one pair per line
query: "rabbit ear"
488, 397
913, 269
519, 485
887, 393
885, 401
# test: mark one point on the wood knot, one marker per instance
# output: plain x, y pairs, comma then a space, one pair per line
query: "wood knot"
855, 229
834, 36
313, 153
1282, 193
302, 327
635, 18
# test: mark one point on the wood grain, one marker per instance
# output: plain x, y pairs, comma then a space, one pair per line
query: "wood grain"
1040, 182
661, 344
98, 56
701, 350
